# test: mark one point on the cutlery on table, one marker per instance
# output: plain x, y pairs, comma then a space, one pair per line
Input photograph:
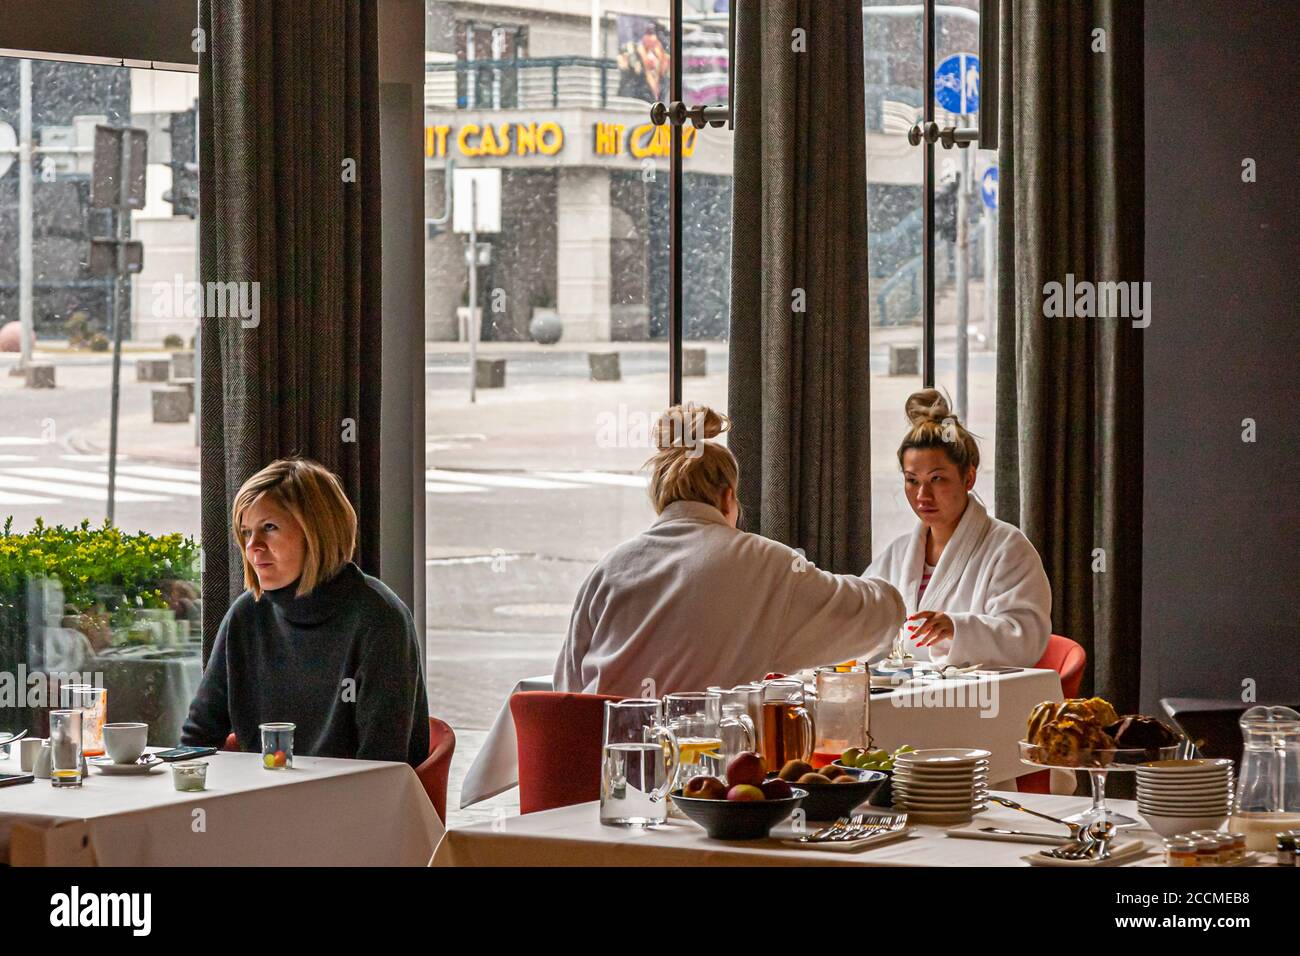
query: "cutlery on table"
1077, 833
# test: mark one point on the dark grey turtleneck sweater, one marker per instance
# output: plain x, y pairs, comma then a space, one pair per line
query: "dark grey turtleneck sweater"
342, 663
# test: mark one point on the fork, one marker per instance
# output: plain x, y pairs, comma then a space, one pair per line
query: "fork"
826, 833
884, 823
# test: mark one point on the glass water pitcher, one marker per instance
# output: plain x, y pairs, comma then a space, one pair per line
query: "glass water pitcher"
1268, 786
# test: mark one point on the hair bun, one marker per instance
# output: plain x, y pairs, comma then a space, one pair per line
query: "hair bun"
685, 426
927, 405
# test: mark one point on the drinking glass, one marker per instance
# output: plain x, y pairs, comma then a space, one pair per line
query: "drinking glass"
93, 703
743, 700
277, 745
842, 713
787, 725
638, 764
696, 718
65, 748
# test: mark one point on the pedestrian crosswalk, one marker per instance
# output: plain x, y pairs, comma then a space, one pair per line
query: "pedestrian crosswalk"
27, 480
85, 478
441, 481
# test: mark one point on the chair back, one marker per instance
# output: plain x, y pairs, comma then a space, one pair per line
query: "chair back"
560, 741
435, 768
1068, 659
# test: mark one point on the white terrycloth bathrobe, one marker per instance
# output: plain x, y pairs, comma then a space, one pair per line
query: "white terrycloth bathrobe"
692, 602
989, 580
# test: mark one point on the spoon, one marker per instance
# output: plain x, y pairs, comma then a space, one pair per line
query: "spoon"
1101, 833
1076, 831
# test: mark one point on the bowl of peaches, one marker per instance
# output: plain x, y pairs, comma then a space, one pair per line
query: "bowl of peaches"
745, 806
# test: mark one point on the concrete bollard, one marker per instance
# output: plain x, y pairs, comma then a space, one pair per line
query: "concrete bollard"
695, 362
604, 366
170, 404
182, 366
152, 370
40, 376
490, 373
904, 360
188, 385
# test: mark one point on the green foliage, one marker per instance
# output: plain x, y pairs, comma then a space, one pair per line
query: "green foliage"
99, 568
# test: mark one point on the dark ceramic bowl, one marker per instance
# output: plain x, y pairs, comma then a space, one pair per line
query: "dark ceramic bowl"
738, 819
882, 795
829, 801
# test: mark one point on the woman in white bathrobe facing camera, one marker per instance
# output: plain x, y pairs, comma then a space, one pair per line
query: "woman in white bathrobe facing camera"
975, 587
693, 602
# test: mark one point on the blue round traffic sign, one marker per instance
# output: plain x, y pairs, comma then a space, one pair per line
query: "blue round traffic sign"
957, 83
989, 187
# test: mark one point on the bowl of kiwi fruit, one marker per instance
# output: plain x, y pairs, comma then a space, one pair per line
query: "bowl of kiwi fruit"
833, 791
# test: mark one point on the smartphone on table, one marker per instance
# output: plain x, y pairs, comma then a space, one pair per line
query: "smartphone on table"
185, 753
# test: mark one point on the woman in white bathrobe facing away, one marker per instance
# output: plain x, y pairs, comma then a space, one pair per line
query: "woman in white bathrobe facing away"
693, 602
975, 587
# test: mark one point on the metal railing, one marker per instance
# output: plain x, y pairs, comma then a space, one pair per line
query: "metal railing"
542, 83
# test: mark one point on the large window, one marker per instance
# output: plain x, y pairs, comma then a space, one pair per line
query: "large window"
115, 605
893, 39
537, 474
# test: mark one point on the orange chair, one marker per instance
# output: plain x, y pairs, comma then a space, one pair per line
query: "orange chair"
433, 772
559, 739
1068, 659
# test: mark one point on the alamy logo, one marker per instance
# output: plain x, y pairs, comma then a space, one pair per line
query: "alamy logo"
213, 300
1098, 300
103, 909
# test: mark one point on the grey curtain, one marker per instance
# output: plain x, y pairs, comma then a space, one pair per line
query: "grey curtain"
1069, 390
287, 93
798, 382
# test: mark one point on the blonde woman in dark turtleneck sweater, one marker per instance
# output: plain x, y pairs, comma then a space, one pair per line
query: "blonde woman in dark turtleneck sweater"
313, 640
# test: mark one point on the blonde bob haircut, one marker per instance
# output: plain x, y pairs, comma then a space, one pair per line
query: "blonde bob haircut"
689, 467
313, 495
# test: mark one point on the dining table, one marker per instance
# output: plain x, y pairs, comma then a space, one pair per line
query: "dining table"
322, 811
988, 711
574, 836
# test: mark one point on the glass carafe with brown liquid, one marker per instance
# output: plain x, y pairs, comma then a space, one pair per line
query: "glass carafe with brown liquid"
787, 732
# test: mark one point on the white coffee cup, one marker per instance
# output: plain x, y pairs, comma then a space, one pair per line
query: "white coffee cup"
125, 742
29, 748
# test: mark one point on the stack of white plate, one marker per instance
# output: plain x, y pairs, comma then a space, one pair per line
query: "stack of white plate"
941, 786
1177, 796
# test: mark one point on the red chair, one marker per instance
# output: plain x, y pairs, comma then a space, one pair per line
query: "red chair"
1068, 659
559, 739
433, 772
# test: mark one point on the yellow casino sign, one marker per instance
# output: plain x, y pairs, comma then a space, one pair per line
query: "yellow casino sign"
504, 139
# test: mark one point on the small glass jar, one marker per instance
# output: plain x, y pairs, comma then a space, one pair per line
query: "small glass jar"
1180, 851
1238, 846
1286, 847
277, 745
1207, 851
190, 775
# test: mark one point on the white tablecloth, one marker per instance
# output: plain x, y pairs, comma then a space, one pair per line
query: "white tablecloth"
954, 713
322, 812
574, 836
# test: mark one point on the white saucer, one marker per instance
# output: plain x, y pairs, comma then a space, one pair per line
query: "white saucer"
105, 765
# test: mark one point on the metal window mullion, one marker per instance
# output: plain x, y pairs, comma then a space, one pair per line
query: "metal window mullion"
675, 218
927, 239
